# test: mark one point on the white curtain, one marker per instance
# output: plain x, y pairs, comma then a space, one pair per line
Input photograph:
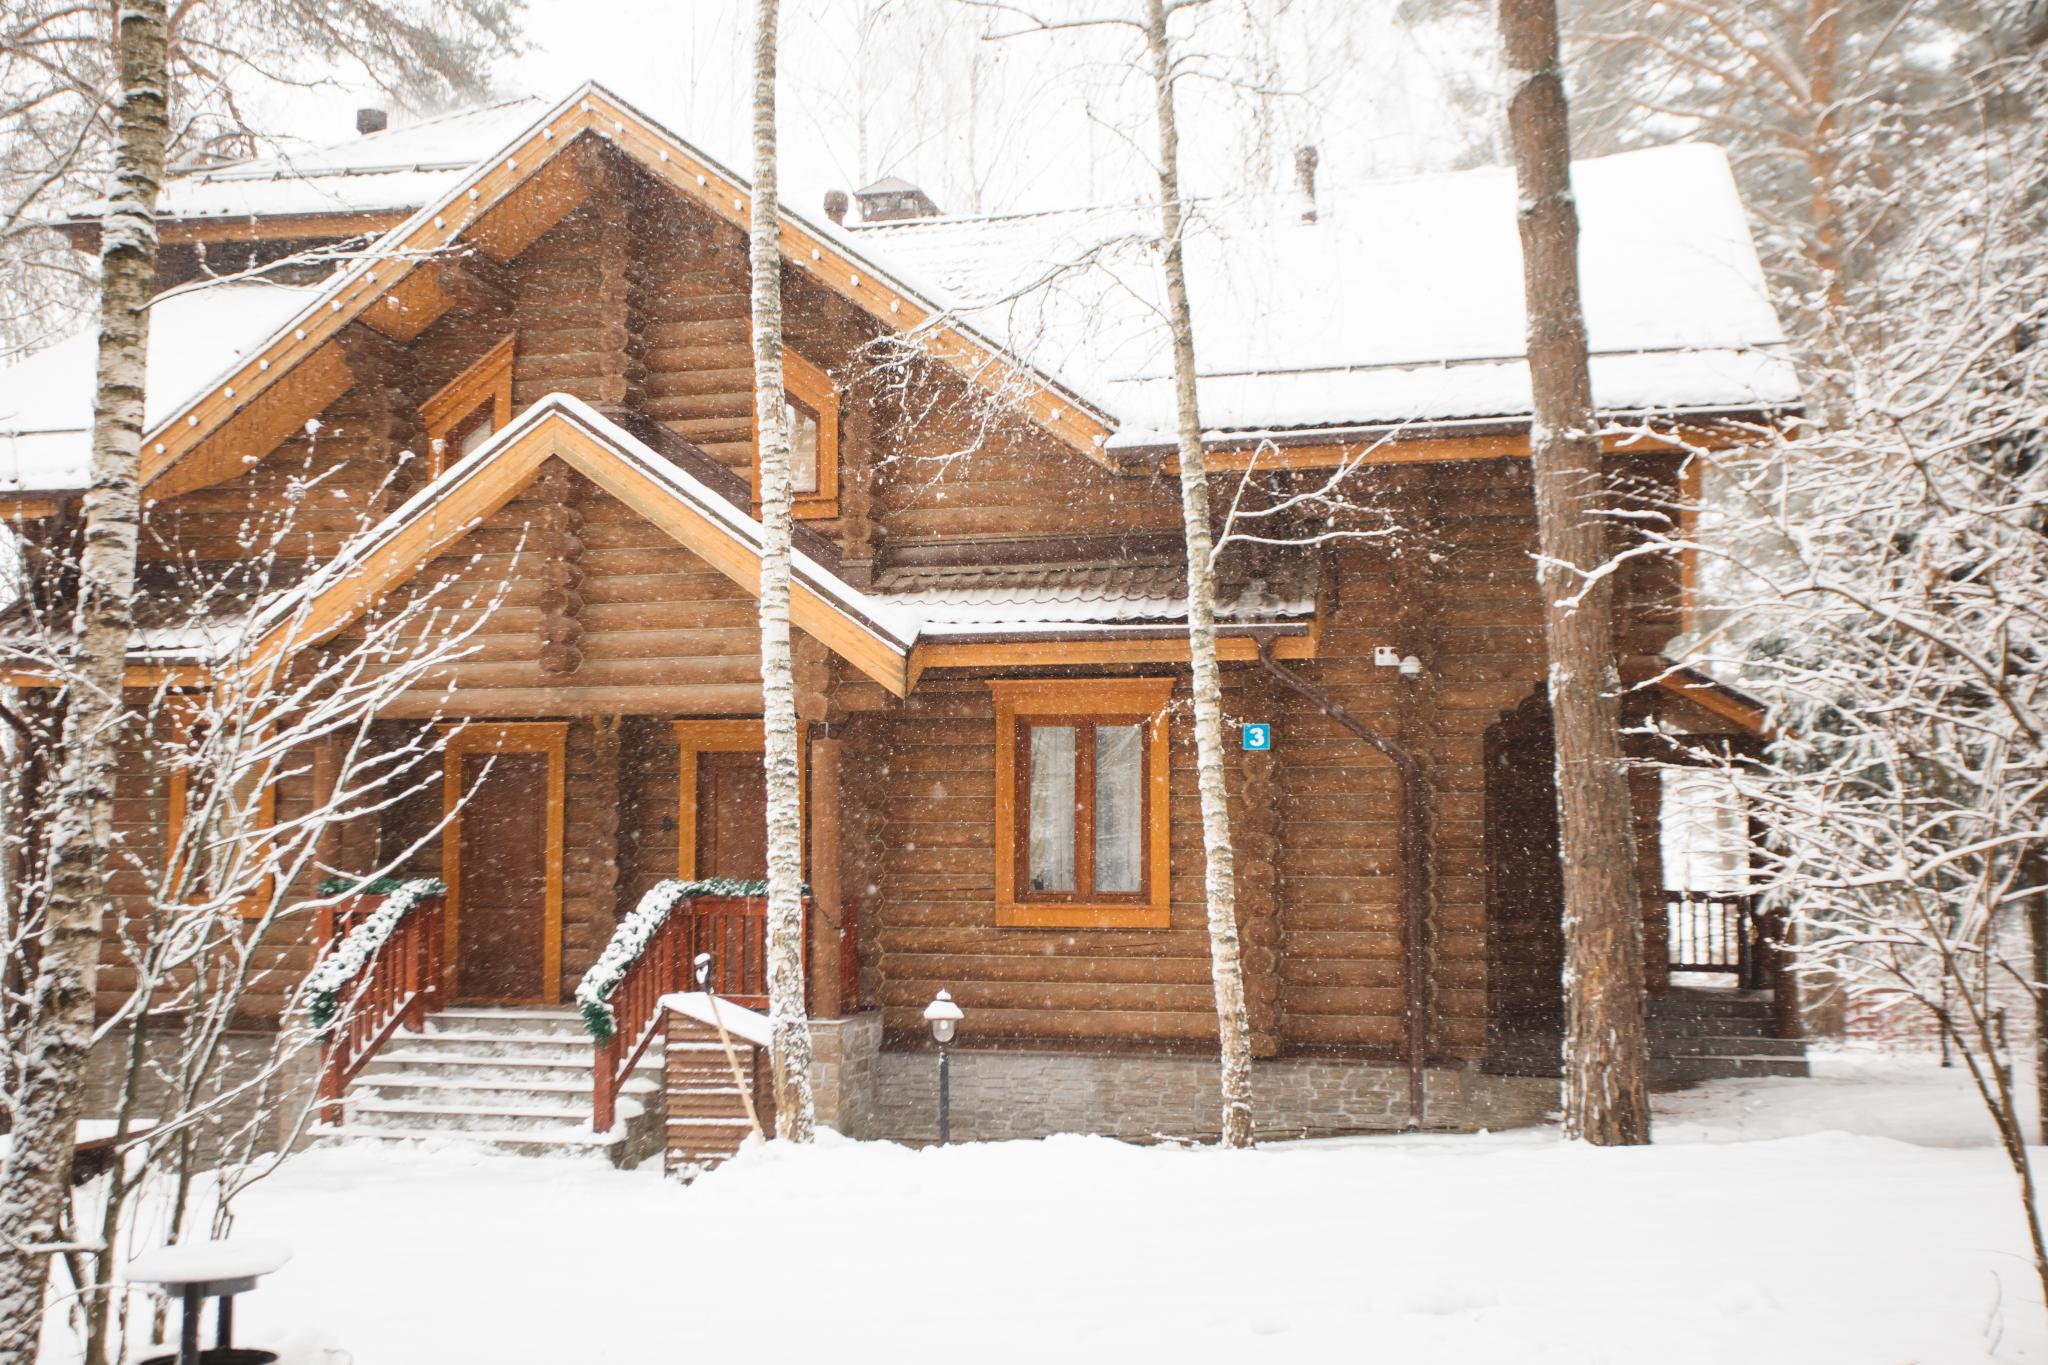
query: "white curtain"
1119, 808
1052, 808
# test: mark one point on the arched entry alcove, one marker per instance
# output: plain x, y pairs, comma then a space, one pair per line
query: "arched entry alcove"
1524, 894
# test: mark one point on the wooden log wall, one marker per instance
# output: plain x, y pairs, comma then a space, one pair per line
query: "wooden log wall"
141, 821
658, 631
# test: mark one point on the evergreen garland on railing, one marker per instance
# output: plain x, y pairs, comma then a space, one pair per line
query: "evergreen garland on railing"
630, 940
380, 886
348, 958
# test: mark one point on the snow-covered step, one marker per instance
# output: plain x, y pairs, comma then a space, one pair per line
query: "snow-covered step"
461, 1090
524, 1142
514, 1116
569, 1050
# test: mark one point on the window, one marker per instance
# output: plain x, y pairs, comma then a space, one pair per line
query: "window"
1081, 803
231, 847
811, 407
470, 407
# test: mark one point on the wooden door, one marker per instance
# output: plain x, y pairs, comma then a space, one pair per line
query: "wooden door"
501, 855
732, 816
502, 933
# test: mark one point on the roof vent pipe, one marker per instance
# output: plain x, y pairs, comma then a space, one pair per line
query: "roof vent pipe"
836, 204
1305, 180
371, 121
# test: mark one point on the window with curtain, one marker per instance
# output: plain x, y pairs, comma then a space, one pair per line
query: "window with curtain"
810, 404
1081, 802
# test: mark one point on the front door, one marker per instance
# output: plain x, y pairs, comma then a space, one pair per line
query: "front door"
501, 857
502, 935
732, 816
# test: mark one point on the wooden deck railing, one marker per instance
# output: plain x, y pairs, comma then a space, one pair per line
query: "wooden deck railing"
397, 987
734, 930
1713, 931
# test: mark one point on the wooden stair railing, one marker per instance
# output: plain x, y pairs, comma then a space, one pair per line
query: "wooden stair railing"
732, 929
1714, 931
396, 987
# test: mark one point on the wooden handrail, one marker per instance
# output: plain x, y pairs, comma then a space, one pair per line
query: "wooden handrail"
396, 989
734, 930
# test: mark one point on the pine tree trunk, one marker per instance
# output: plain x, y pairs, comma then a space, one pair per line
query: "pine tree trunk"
789, 1035
1220, 876
35, 1193
1606, 1100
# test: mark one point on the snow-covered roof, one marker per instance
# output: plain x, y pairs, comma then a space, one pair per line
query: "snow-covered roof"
1401, 303
195, 335
974, 598
1400, 306
398, 169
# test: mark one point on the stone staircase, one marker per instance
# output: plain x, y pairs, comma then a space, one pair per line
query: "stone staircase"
513, 1080
1707, 1034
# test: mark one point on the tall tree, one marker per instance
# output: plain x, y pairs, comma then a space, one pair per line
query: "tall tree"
789, 1038
1220, 878
1165, 65
35, 1188
1606, 1098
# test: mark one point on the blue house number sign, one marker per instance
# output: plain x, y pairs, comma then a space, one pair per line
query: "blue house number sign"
1258, 738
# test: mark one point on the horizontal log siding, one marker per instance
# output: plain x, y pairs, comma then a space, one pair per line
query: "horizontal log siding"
934, 793
141, 815
306, 498
665, 633
949, 476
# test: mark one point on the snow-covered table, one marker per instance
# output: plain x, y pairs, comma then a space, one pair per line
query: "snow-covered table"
196, 1271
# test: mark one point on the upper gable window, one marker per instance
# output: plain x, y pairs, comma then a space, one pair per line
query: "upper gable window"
472, 406
811, 407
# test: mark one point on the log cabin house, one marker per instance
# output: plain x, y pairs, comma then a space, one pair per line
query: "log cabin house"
536, 377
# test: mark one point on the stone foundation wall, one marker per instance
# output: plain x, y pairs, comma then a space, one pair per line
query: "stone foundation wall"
1000, 1095
844, 1062
290, 1092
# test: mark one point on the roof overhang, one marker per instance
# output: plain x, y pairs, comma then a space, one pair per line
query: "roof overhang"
1491, 438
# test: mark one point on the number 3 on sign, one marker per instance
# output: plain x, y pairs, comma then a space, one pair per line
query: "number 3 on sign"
1258, 738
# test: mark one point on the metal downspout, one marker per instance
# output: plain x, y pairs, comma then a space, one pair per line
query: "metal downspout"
1415, 870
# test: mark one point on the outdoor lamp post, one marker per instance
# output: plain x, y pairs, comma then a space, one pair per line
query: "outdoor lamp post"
944, 1016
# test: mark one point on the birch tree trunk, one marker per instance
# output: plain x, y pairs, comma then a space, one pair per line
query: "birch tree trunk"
35, 1190
1606, 1100
789, 1037
1220, 876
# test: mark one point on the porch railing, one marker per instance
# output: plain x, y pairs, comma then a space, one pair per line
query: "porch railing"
1713, 931
650, 956
378, 972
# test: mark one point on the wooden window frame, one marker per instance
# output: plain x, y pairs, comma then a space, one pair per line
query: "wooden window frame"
549, 737
1024, 703
457, 403
178, 793
805, 384
694, 737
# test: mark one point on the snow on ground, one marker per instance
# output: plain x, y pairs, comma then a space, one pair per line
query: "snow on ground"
1858, 1217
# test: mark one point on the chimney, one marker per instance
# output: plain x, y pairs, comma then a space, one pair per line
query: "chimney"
836, 205
371, 121
1305, 180
892, 199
